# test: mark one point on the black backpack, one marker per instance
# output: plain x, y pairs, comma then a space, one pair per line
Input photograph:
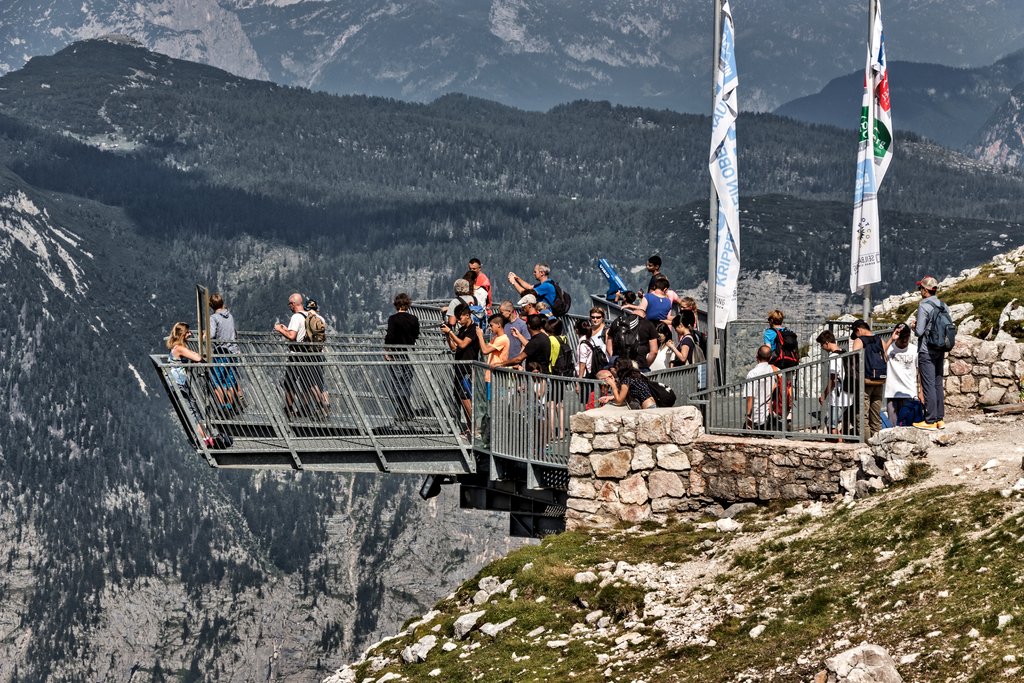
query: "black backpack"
941, 332
562, 303
874, 361
598, 359
564, 365
664, 397
786, 349
626, 339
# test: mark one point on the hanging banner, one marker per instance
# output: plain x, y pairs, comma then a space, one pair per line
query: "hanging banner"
725, 176
873, 157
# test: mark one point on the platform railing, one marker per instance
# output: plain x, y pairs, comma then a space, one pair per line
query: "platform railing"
295, 404
788, 404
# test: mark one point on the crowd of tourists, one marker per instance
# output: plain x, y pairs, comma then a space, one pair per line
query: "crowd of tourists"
902, 375
655, 330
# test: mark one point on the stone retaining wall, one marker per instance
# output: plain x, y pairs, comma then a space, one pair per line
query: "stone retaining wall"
983, 373
634, 466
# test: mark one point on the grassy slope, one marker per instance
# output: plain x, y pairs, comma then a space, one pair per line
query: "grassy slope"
913, 571
989, 291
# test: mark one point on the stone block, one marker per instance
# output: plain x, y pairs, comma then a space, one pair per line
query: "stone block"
746, 487
633, 490
613, 465
969, 384
632, 514
575, 519
630, 420
653, 427
962, 400
643, 458
580, 444
896, 469
1011, 353
1002, 369
698, 485
606, 442
1003, 382
980, 370
579, 466
794, 491
758, 465
735, 462
582, 488
959, 367
607, 424
964, 347
992, 397
768, 489
581, 505
581, 423
687, 425
661, 484
987, 352
784, 459
671, 458
823, 487
722, 488
984, 384
867, 463
627, 437
608, 492
666, 504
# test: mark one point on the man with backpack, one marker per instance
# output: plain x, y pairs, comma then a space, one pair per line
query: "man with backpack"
546, 289
936, 335
633, 338
875, 371
782, 340
297, 379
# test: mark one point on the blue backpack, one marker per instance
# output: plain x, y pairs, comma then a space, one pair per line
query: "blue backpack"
911, 412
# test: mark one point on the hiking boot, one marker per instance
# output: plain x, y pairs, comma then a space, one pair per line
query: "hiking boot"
940, 424
926, 425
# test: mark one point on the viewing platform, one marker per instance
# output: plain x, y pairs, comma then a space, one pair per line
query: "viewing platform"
397, 410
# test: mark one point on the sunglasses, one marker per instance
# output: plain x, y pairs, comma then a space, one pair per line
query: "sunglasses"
597, 317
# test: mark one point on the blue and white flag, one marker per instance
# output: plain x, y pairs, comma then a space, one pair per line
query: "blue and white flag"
873, 157
725, 175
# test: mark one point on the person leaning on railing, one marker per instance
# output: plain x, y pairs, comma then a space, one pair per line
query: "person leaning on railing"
759, 391
629, 386
465, 343
178, 355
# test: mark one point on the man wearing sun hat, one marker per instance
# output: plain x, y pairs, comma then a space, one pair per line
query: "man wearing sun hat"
930, 360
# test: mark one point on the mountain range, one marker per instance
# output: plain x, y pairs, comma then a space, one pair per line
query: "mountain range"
955, 106
527, 53
126, 176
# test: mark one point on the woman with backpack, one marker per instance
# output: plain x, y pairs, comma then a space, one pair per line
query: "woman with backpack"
687, 351
656, 305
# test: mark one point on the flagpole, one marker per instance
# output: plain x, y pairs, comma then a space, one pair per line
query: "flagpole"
872, 8
713, 341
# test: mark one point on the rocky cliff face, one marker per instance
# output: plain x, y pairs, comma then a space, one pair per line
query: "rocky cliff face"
1002, 138
121, 552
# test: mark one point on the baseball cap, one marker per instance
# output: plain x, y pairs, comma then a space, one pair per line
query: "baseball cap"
928, 282
528, 299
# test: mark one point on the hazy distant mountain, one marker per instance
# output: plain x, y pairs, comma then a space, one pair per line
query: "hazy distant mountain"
1001, 140
945, 104
527, 53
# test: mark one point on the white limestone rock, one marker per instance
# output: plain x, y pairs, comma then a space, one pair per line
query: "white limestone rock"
865, 663
418, 651
493, 630
466, 623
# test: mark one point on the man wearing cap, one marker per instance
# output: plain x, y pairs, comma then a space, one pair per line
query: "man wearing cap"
929, 359
544, 289
513, 321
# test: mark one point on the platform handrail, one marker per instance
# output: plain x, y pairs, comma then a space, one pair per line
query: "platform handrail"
800, 415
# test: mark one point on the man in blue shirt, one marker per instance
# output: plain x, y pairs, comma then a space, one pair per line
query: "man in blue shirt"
544, 288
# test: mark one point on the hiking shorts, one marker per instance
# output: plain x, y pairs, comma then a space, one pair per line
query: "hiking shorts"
223, 377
